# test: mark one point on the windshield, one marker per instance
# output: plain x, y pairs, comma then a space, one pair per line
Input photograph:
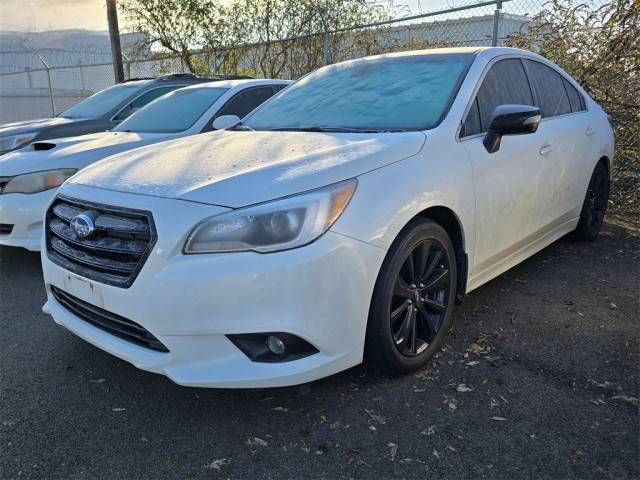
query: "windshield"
100, 103
380, 94
173, 112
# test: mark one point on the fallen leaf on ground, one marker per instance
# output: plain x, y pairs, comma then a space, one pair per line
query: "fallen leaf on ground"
255, 441
393, 451
430, 430
452, 403
627, 398
216, 464
377, 418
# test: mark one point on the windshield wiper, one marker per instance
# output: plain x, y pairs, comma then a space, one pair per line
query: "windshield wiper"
241, 127
330, 129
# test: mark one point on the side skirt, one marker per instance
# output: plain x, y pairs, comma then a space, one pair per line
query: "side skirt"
521, 254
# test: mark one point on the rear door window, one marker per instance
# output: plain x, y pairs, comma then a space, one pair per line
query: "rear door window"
576, 101
505, 83
549, 88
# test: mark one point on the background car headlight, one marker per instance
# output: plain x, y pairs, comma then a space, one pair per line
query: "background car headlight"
273, 226
38, 181
16, 141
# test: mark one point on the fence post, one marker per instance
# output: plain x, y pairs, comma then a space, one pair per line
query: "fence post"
46, 67
325, 46
128, 60
496, 23
81, 75
29, 78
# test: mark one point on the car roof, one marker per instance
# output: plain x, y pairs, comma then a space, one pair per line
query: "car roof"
490, 51
239, 83
178, 78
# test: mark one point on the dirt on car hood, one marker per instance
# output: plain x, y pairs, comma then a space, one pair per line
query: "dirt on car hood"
239, 168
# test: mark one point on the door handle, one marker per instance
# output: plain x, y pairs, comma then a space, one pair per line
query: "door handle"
589, 131
546, 149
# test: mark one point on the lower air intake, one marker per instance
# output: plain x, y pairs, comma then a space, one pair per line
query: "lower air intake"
109, 322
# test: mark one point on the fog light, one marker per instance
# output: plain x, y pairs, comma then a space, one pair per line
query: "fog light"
275, 345
272, 347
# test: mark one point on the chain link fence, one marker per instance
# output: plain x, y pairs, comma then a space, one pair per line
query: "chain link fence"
48, 90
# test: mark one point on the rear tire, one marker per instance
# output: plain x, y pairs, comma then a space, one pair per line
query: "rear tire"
412, 305
594, 205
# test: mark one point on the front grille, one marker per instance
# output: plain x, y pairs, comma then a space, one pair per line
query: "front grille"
113, 254
107, 321
6, 228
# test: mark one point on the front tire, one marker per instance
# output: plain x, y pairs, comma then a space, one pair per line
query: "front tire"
412, 304
594, 205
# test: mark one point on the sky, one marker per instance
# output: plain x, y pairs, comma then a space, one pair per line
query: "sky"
42, 15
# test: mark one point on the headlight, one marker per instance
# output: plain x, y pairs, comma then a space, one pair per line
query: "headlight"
16, 141
273, 226
38, 181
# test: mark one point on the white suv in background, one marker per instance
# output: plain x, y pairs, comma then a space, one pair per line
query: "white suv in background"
339, 221
29, 177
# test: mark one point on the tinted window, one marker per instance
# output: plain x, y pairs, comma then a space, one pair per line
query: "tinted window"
411, 92
101, 103
549, 88
143, 99
575, 99
174, 112
246, 101
505, 83
472, 124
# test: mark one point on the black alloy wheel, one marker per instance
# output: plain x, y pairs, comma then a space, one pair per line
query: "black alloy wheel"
411, 308
595, 204
420, 296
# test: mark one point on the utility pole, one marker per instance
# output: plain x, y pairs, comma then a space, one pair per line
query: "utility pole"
114, 34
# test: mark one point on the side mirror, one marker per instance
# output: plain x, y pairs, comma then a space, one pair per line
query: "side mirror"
225, 121
511, 120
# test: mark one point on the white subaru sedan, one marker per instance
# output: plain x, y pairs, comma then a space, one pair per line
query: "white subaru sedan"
338, 222
29, 177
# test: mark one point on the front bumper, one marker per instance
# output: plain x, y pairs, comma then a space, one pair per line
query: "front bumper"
320, 292
25, 213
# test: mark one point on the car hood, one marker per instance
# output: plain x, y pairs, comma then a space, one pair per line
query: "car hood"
28, 126
72, 152
239, 168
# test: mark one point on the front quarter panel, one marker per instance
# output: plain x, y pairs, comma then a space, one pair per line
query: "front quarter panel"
388, 198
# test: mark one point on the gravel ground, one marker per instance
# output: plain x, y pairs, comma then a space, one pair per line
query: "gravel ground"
538, 379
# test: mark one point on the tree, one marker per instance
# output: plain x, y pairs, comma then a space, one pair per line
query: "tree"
286, 36
600, 48
269, 38
179, 26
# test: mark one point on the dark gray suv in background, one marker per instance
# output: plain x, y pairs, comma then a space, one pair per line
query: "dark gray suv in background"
101, 111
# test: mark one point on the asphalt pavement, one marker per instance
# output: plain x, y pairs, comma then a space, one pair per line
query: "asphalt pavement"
538, 379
